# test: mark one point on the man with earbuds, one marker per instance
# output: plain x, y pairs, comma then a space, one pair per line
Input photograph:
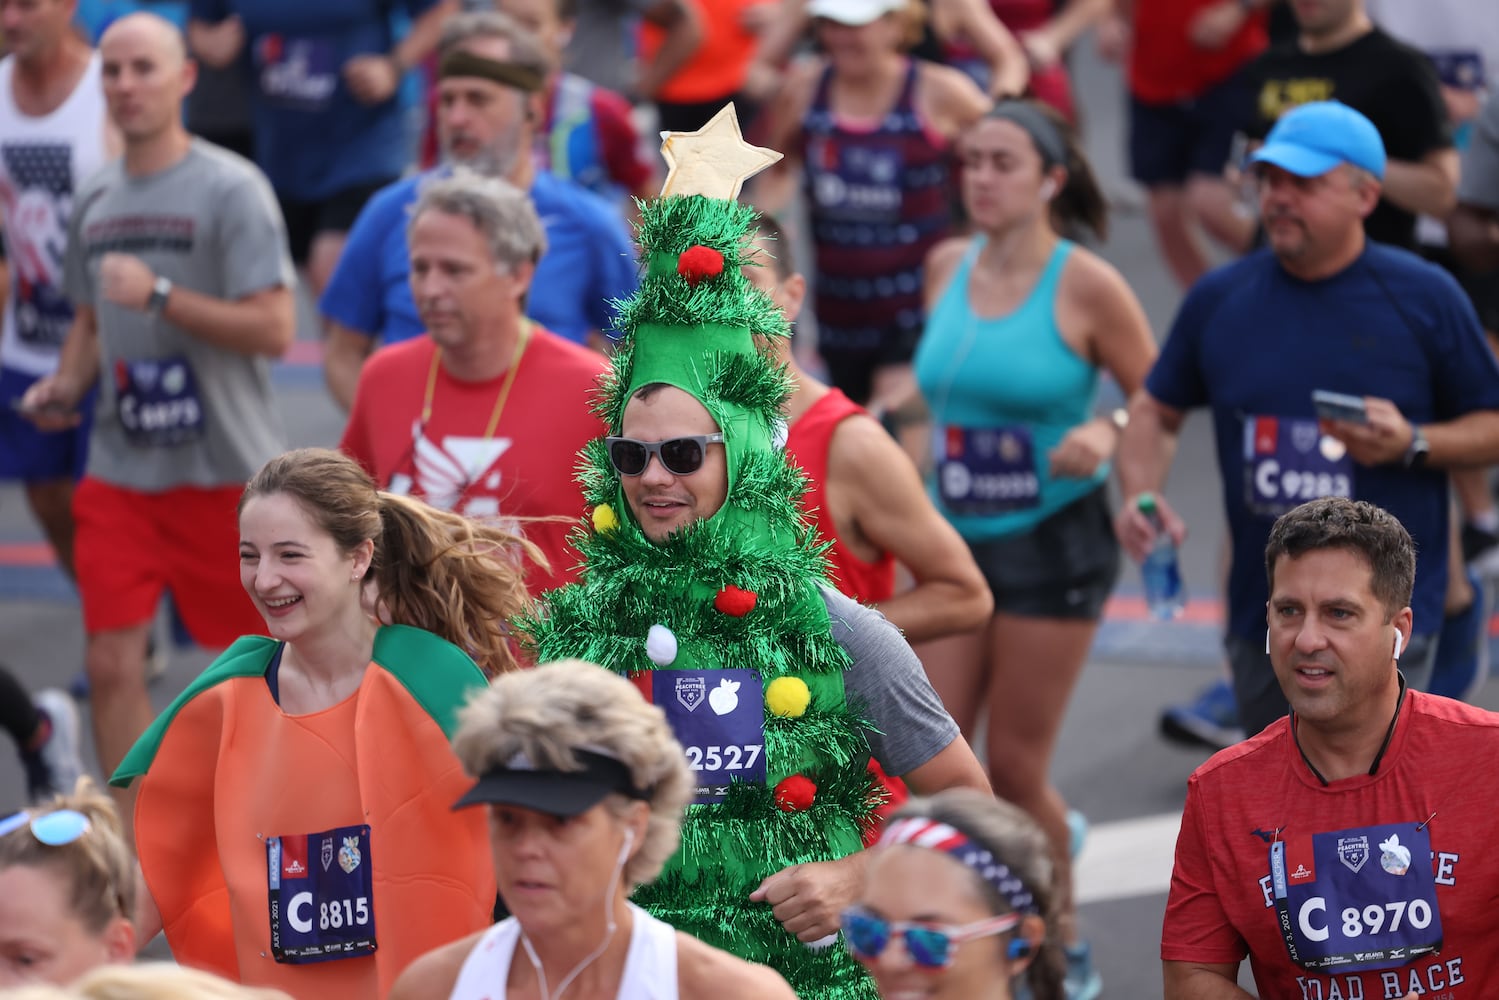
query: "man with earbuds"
1341, 850
491, 74
1321, 309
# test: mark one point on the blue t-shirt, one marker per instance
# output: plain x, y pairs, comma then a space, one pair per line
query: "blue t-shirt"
1253, 343
94, 16
312, 138
589, 261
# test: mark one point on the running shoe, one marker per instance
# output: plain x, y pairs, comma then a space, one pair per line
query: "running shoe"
1211, 721
1077, 830
1083, 981
54, 767
1481, 550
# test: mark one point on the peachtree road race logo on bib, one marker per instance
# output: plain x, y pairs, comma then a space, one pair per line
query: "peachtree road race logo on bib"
691, 692
1353, 852
327, 852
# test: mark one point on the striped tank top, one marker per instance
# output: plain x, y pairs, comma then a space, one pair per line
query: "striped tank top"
878, 199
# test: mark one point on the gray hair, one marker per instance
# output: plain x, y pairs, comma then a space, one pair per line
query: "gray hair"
525, 47
1358, 177
501, 212
550, 712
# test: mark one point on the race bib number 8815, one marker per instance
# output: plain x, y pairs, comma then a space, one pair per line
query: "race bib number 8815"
320, 892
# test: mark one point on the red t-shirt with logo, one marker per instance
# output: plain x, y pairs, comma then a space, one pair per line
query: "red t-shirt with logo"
1436, 769
524, 470
1164, 65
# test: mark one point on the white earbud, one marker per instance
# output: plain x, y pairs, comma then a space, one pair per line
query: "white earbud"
1048, 189
1398, 644
624, 849
1267, 642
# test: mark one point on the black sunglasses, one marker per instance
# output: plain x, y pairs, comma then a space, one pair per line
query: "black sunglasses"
680, 456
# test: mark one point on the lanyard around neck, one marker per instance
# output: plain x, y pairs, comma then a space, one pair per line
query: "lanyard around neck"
500, 397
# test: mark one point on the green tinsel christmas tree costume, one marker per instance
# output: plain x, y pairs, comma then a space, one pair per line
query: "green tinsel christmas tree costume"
730, 605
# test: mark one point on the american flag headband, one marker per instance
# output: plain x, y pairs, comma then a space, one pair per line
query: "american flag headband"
920, 832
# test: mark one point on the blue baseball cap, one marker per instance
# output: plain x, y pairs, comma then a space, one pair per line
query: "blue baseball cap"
1314, 138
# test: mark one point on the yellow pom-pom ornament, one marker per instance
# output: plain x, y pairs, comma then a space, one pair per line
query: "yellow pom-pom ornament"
604, 518
788, 697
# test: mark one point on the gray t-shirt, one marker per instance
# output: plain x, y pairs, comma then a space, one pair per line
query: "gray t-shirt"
602, 47
174, 410
910, 724
1480, 175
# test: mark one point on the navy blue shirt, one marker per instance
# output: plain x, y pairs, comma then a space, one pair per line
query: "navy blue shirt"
312, 138
589, 262
1253, 343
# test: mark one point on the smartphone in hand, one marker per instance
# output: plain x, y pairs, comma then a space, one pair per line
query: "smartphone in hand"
1340, 406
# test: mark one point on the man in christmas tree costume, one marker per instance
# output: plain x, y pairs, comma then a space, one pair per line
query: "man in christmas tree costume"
703, 584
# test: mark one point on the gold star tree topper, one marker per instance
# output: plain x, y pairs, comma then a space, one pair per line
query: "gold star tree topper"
714, 161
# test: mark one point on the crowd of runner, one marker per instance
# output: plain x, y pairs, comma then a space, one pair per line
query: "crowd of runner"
720, 527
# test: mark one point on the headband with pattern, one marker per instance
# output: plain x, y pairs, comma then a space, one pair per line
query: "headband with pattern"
919, 831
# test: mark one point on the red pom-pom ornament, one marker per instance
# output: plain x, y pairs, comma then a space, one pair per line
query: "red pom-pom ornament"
734, 602
699, 263
795, 794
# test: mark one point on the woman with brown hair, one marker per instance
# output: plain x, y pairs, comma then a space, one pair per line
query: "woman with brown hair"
1022, 324
293, 818
868, 131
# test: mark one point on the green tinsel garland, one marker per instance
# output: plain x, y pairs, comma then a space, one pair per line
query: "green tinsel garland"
758, 542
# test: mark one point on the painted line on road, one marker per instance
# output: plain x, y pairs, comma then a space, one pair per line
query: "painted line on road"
1127, 858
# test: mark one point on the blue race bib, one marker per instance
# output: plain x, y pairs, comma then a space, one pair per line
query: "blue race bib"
300, 74
1288, 461
321, 895
158, 402
855, 181
719, 718
1357, 899
986, 470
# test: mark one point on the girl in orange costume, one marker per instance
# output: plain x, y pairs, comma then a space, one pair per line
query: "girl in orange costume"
293, 819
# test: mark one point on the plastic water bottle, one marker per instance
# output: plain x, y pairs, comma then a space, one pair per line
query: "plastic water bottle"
1164, 594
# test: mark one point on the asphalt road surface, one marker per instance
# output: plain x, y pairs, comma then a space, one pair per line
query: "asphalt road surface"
1111, 763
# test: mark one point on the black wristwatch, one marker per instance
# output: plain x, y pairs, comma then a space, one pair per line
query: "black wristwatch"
1419, 450
160, 289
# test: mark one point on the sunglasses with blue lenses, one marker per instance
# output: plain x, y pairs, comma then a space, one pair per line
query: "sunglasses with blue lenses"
680, 456
55, 829
931, 946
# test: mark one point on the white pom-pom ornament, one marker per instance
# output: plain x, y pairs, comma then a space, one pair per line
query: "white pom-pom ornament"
822, 942
661, 645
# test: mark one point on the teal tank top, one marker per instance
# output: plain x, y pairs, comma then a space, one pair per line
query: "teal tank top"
1003, 392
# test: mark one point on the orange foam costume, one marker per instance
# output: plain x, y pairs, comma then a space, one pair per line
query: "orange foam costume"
224, 768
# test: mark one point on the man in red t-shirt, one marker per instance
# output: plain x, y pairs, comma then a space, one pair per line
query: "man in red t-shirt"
1343, 850
1186, 101
487, 413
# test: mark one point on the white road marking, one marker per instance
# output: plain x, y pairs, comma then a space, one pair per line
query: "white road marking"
1127, 858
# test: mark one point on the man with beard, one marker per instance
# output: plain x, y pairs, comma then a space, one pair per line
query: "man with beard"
1323, 308
1339, 55
491, 77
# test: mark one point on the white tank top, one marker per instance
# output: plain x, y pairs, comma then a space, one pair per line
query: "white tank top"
650, 966
43, 160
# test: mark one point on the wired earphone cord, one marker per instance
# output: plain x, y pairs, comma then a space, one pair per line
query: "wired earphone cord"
593, 956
